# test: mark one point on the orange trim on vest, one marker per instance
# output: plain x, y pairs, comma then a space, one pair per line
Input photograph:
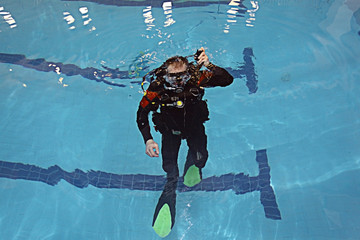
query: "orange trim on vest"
148, 96
204, 75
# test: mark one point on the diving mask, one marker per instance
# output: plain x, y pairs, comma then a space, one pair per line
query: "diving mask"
177, 79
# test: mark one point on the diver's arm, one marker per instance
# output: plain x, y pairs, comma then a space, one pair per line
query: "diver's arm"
220, 77
151, 148
216, 76
143, 122
148, 103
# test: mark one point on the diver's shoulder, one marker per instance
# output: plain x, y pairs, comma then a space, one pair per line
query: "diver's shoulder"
156, 85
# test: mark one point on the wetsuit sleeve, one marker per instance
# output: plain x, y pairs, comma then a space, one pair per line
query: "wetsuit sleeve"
215, 76
148, 103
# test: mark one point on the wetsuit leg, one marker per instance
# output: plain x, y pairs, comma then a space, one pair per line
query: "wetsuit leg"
170, 145
164, 216
197, 143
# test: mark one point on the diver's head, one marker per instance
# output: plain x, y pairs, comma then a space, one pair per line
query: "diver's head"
177, 71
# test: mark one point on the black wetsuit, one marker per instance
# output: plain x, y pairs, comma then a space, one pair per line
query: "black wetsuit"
182, 116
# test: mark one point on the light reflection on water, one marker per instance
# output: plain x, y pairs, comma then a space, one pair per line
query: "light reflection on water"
8, 18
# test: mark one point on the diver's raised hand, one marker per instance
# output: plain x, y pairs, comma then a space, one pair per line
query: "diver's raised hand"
203, 58
152, 148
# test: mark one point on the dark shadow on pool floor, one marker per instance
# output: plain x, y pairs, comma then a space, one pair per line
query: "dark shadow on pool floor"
108, 75
239, 183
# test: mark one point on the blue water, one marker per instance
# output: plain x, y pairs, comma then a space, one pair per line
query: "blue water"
61, 110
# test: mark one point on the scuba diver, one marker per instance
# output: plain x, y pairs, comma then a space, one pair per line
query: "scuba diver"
177, 86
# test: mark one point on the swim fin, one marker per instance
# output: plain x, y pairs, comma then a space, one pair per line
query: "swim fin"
162, 224
164, 216
192, 176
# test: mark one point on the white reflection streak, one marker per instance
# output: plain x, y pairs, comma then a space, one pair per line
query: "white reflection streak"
56, 68
85, 16
251, 19
167, 7
149, 19
84, 11
69, 19
231, 14
8, 18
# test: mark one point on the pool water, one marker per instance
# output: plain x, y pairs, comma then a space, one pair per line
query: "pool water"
283, 139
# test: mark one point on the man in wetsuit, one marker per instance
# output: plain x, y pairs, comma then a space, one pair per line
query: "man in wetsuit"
178, 90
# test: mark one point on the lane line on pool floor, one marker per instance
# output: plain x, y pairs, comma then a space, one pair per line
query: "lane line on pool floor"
239, 183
